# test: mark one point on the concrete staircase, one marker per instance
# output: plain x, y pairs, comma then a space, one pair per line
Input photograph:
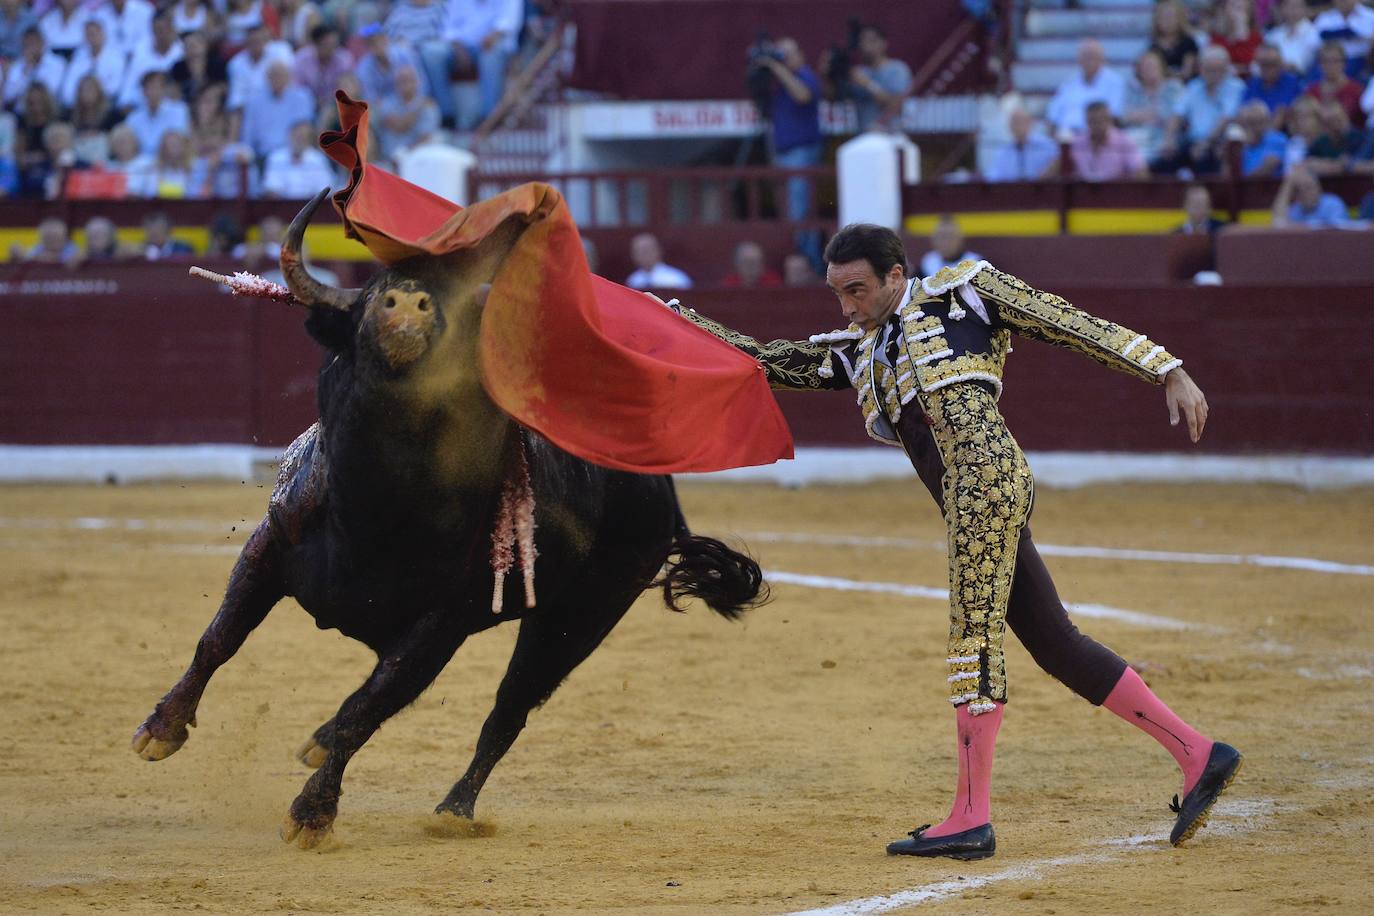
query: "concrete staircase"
1047, 46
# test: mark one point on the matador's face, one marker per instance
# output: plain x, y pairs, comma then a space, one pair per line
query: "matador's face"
866, 299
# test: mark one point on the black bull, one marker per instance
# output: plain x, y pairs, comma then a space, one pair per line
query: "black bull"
382, 519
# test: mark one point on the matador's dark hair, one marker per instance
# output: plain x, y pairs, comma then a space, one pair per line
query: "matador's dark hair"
878, 245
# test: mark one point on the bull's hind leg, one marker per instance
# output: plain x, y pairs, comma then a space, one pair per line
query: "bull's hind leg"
548, 648
402, 673
255, 586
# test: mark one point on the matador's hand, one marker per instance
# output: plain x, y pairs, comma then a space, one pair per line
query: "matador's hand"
1181, 392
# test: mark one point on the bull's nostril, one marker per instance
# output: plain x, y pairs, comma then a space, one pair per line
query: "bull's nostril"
423, 304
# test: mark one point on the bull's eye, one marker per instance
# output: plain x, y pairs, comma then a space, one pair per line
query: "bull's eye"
390, 301
423, 304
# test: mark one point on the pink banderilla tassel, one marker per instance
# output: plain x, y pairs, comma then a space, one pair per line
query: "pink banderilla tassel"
243, 283
514, 531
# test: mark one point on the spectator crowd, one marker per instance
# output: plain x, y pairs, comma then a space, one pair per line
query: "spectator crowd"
223, 98
1286, 84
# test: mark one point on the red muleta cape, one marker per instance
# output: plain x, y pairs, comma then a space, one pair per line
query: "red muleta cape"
600, 370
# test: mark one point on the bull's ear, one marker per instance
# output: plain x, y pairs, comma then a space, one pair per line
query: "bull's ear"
483, 292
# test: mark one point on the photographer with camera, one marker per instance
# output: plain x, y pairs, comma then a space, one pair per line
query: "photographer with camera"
788, 94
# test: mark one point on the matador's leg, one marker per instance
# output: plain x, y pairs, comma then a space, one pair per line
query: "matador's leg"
987, 489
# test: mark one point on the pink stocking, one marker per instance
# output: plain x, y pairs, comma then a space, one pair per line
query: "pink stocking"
1133, 701
977, 740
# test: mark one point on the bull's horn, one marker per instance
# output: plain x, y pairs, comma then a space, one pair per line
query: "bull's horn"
304, 287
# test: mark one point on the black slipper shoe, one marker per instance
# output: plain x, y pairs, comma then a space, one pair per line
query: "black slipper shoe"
1222, 766
975, 843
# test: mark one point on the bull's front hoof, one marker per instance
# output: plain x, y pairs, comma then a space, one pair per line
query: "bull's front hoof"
155, 741
316, 835
312, 753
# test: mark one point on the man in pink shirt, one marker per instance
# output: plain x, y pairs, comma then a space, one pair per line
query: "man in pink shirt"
1104, 153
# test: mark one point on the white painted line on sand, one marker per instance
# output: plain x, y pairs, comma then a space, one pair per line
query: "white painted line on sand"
1229, 817
1099, 611
1066, 550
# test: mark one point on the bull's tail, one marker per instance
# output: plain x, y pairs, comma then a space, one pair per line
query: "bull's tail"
728, 581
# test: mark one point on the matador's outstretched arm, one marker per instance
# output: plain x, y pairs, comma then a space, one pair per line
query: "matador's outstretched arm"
790, 365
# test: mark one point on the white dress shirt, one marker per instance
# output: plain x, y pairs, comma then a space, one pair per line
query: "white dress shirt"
1066, 109
49, 71
469, 21
660, 276
108, 67
248, 77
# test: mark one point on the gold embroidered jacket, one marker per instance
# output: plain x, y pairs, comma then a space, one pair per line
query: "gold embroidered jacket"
952, 327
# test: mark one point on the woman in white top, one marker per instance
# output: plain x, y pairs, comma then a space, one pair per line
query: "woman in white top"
1295, 36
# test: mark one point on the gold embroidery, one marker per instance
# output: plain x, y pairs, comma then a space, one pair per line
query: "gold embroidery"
982, 367
954, 275
1045, 316
789, 364
987, 498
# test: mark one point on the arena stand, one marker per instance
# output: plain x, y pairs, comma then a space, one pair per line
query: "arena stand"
128, 352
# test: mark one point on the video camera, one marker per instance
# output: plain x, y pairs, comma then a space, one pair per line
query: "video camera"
841, 59
757, 77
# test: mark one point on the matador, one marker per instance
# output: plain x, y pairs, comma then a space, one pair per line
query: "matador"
925, 359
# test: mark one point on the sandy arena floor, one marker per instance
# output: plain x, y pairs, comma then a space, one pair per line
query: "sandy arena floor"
694, 766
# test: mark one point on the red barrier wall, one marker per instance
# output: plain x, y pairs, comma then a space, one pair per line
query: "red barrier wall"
143, 354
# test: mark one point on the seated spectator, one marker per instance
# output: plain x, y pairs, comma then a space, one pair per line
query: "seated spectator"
240, 19
878, 84
1342, 148
169, 174
157, 114
412, 24
64, 27
327, 118
128, 23
101, 242
480, 32
58, 143
1272, 84
1028, 156
1349, 22
650, 272
30, 155
1234, 29
126, 157
200, 66
298, 171
267, 122
376, 70
1366, 211
1295, 36
1198, 212
95, 57
9, 172
248, 68
1149, 104
158, 242
223, 169
1209, 102
1169, 37
54, 245
407, 118
158, 54
298, 19
16, 18
226, 237
1264, 149
1105, 153
320, 64
751, 269
35, 65
1335, 86
194, 17
1301, 202
948, 250
797, 271
93, 115
1095, 82
270, 232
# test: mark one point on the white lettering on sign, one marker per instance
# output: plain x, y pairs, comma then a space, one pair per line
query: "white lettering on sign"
92, 287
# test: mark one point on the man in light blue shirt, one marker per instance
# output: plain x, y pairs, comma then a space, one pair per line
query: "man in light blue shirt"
267, 118
157, 114
1301, 202
1265, 148
1028, 156
1209, 102
1095, 82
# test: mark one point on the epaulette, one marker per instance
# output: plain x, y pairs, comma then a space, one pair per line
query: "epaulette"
947, 278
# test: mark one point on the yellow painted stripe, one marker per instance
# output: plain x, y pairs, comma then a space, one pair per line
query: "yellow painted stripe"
324, 243
1081, 222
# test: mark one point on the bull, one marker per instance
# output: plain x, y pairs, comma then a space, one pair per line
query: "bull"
382, 519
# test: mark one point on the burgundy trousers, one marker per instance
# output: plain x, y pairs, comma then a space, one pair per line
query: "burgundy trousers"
1034, 612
